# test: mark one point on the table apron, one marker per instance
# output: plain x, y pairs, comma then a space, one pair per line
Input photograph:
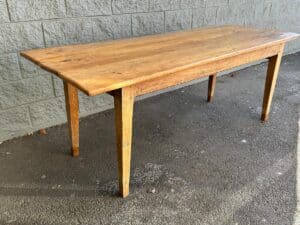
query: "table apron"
204, 70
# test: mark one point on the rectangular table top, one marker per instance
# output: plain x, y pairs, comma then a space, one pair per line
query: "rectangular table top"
105, 66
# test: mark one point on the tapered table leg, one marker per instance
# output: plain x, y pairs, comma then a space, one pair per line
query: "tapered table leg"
272, 74
124, 101
72, 108
211, 87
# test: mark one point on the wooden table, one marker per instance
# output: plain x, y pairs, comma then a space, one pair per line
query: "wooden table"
132, 67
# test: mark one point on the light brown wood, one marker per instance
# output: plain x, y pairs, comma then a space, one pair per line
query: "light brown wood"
211, 87
124, 101
43, 131
272, 74
204, 70
72, 108
101, 67
137, 66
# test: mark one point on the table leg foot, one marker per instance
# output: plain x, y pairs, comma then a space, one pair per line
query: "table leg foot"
72, 108
211, 87
264, 117
75, 151
124, 100
272, 74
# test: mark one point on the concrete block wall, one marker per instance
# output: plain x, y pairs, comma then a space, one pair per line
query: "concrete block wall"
31, 98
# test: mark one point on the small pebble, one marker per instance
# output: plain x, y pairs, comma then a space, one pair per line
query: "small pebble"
151, 190
58, 186
202, 152
43, 176
279, 173
172, 190
8, 153
244, 141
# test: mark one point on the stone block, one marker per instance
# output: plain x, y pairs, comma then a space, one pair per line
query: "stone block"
89, 105
209, 3
129, 6
58, 86
53, 111
192, 4
14, 122
148, 23
29, 69
3, 12
25, 91
162, 5
9, 68
241, 13
111, 27
71, 31
252, 12
48, 112
178, 20
198, 17
36, 9
210, 16
88, 7
20, 36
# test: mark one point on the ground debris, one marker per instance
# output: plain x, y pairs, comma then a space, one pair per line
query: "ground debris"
151, 190
244, 141
58, 186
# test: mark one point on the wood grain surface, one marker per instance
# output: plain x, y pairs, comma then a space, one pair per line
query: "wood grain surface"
101, 67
